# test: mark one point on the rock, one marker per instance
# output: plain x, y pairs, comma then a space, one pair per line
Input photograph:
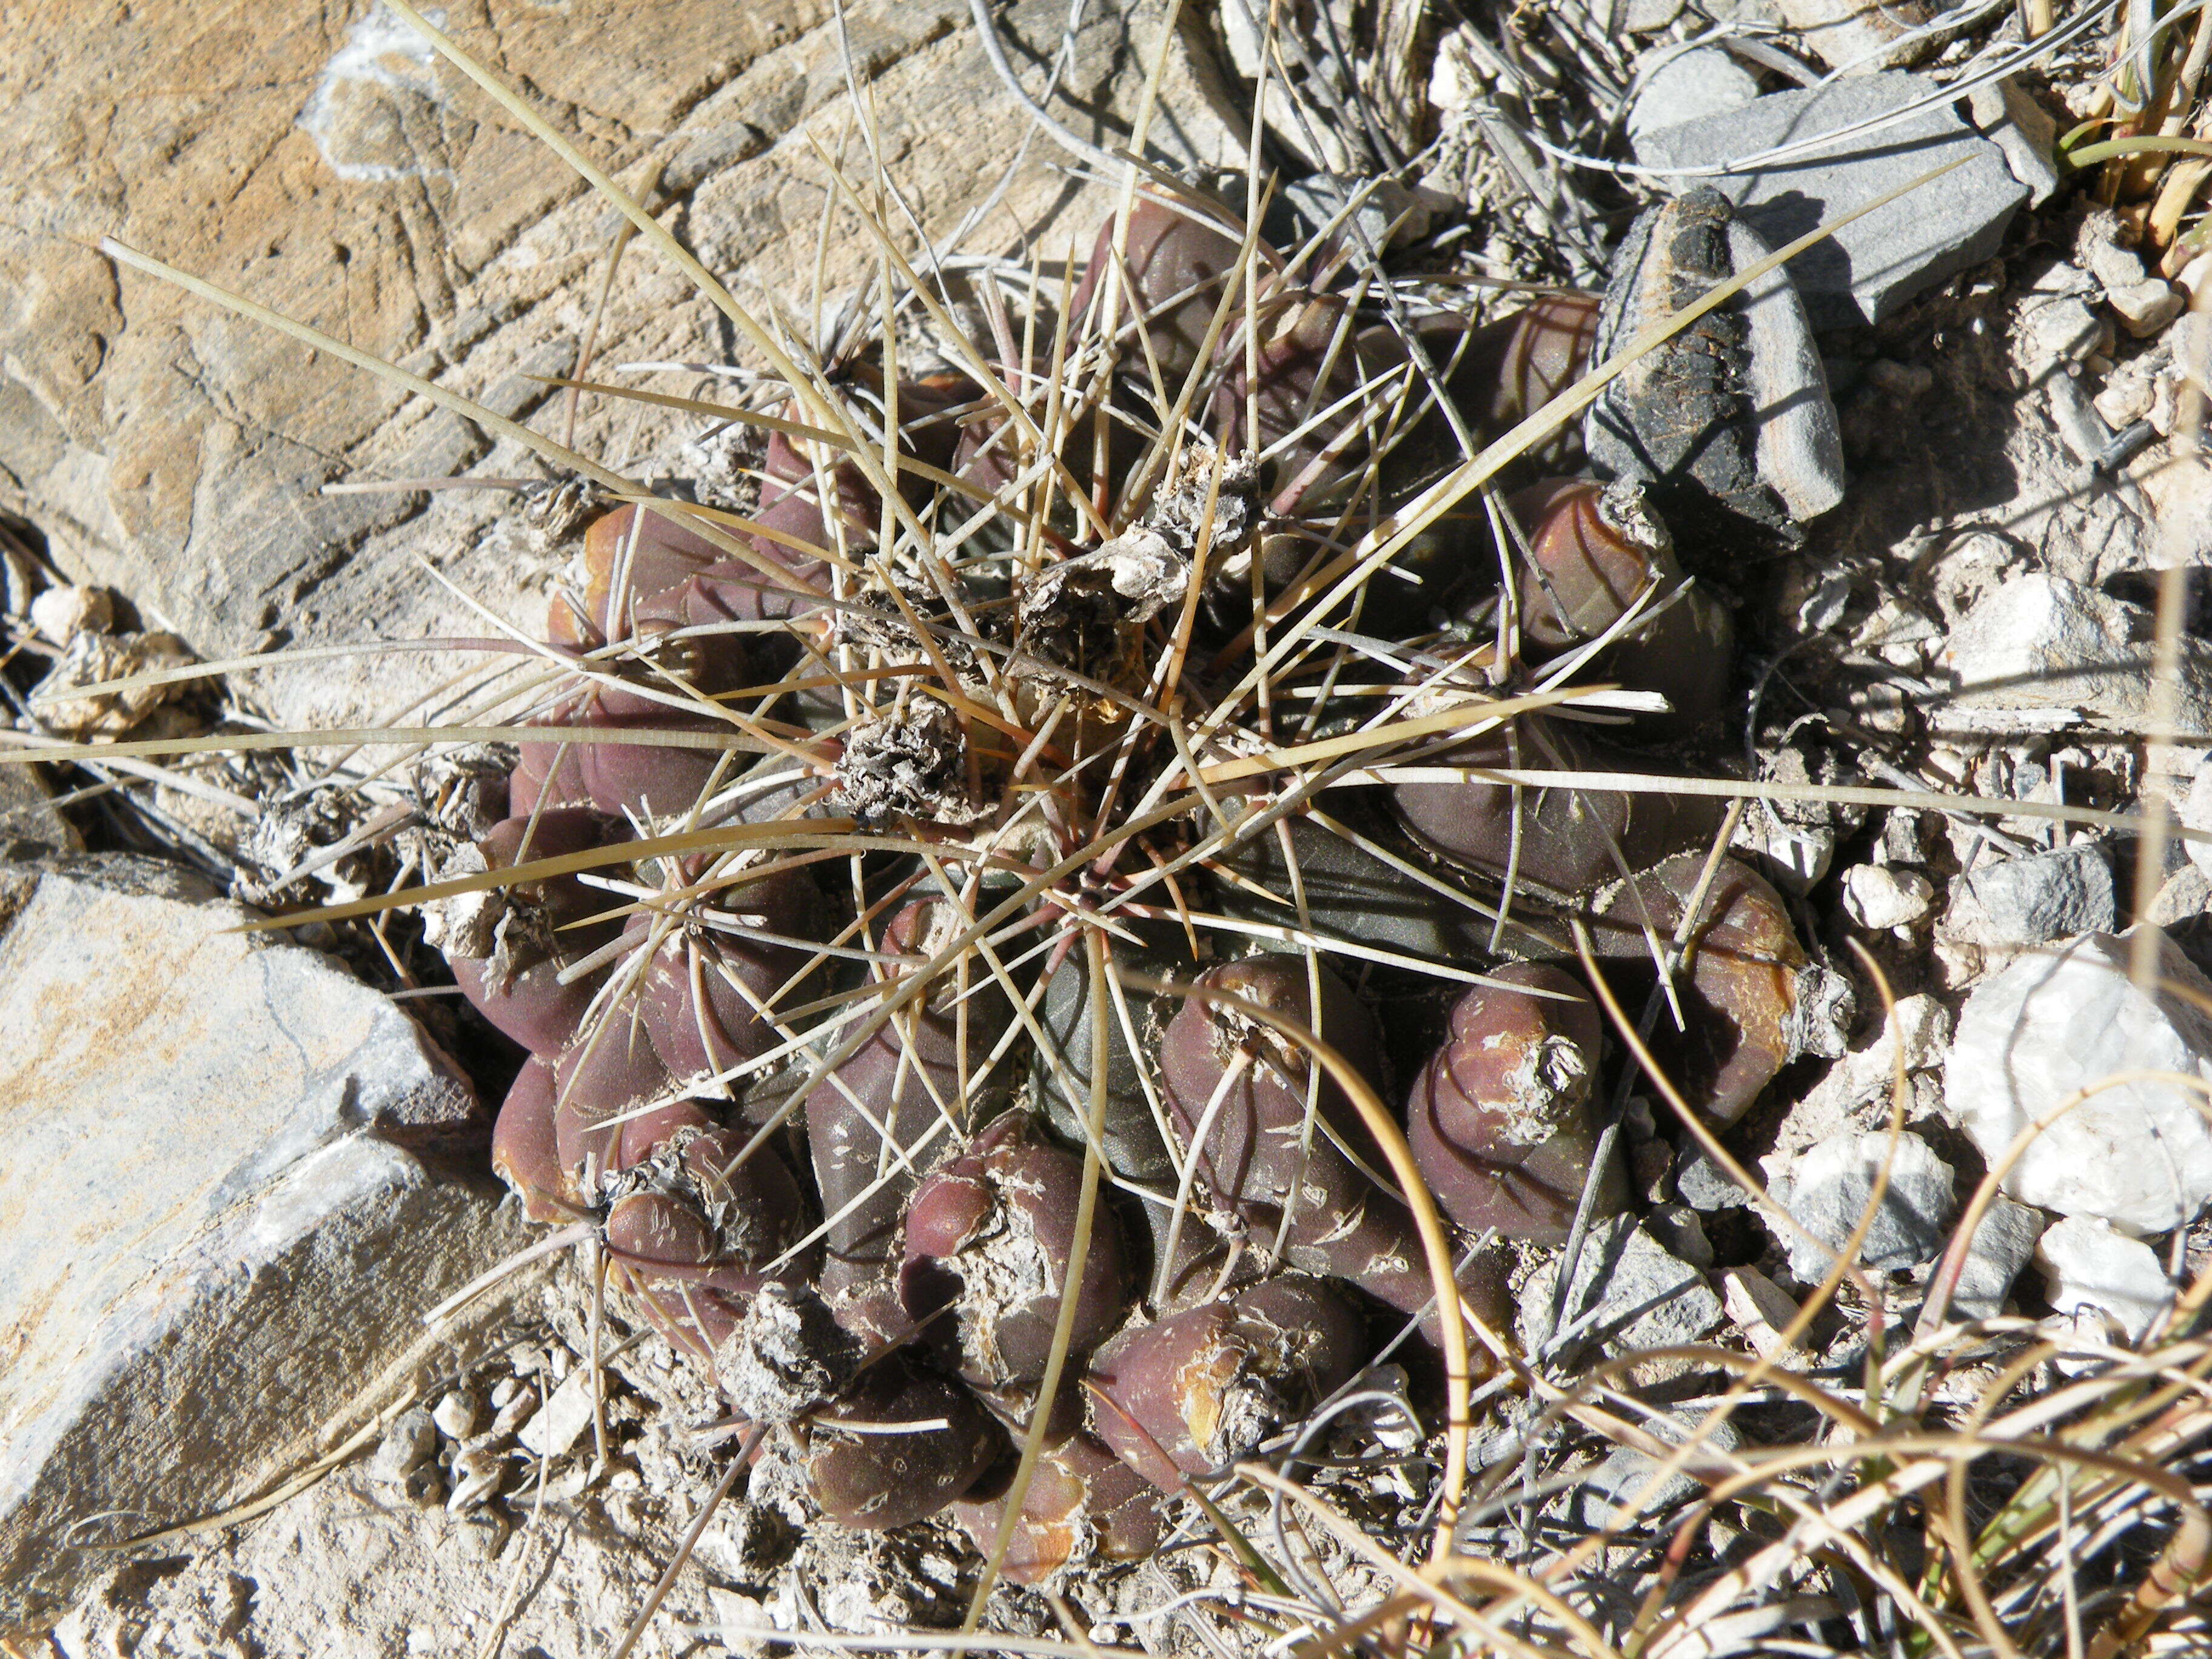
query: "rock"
1856, 1093
2090, 1268
563, 1420
1645, 1297
1614, 1494
2042, 642
1735, 408
91, 658
2034, 1036
227, 1204
1827, 1188
1684, 86
2182, 497
2195, 812
1873, 265
62, 613
1877, 897
2144, 308
2183, 897
177, 454
456, 1414
2006, 114
2074, 413
28, 815
2049, 336
2098, 249
2131, 391
1857, 37
1763, 1311
2012, 902
1703, 1185
2002, 1244
408, 1444
2143, 304
1679, 1229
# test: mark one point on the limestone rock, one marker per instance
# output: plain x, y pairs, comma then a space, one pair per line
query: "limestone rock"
1877, 897
1827, 1188
1859, 37
352, 180
2091, 1269
224, 1206
1873, 265
2043, 642
2033, 1036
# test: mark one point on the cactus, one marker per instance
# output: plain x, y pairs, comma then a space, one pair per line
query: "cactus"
945, 1141
835, 1026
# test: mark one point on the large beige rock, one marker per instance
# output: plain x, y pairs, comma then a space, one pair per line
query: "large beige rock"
319, 160
230, 1187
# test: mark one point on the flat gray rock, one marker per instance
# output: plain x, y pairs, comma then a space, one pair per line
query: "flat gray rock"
222, 1217
1629, 1293
1703, 1184
2003, 1243
1873, 265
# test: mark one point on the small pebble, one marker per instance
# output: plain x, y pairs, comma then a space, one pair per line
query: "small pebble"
2145, 308
62, 613
456, 1414
1762, 1310
1703, 1185
2080, 426
2091, 1268
505, 1390
2052, 335
1876, 896
485, 1533
410, 1443
566, 1416
513, 1414
1681, 1232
